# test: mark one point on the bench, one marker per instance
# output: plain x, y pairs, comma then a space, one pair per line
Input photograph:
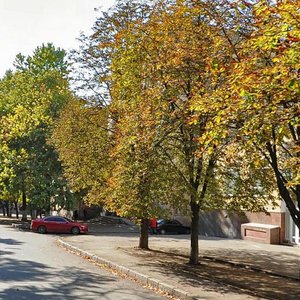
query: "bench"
263, 233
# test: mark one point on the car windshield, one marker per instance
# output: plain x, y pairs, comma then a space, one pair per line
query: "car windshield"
161, 221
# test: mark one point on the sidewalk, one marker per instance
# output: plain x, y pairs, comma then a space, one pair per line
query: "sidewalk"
165, 265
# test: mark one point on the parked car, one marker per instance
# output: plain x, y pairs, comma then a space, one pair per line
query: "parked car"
171, 226
57, 224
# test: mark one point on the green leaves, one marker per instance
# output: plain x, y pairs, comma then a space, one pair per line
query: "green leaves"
44, 59
172, 91
30, 99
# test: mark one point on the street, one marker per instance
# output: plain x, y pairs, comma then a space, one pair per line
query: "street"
33, 266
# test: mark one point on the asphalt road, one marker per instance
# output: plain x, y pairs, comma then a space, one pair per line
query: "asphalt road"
33, 266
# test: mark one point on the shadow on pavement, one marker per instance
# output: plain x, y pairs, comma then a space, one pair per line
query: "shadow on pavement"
283, 261
10, 242
220, 277
72, 284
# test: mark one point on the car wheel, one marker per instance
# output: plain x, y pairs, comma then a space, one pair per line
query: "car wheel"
75, 230
42, 229
163, 231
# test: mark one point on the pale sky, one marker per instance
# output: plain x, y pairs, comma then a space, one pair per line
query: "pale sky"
26, 24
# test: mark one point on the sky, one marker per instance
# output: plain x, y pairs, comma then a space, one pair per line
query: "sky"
26, 24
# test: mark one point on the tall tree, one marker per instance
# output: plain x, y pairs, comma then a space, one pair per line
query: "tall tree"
161, 63
141, 180
263, 94
167, 67
31, 98
83, 139
95, 61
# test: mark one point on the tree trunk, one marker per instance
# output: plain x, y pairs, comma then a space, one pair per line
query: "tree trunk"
283, 190
6, 204
194, 256
143, 243
8, 208
17, 209
3, 209
24, 206
285, 195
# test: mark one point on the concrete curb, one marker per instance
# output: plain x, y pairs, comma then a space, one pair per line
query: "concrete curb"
141, 278
24, 226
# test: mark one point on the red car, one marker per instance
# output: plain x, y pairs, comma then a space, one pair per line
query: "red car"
58, 224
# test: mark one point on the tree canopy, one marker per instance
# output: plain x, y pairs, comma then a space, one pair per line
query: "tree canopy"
185, 103
262, 95
30, 99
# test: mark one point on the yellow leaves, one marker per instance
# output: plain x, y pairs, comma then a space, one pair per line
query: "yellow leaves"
242, 93
187, 81
193, 120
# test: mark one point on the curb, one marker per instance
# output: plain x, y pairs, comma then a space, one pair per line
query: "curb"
21, 226
141, 278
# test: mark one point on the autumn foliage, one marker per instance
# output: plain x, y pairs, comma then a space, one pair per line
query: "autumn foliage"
189, 104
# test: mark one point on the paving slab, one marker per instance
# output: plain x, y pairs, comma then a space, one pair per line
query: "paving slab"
228, 269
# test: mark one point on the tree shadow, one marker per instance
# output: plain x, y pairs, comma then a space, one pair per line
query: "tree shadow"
49, 283
214, 276
284, 264
10, 241
12, 269
5, 252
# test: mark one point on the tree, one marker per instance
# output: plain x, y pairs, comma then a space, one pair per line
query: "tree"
162, 67
157, 64
31, 98
83, 140
96, 55
141, 180
157, 72
263, 95
91, 63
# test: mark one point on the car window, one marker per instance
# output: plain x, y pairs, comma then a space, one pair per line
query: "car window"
61, 220
49, 219
168, 222
68, 220
55, 219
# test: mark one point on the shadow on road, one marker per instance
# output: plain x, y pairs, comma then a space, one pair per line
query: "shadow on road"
46, 282
10, 242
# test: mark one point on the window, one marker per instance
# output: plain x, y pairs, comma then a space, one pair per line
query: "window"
55, 219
